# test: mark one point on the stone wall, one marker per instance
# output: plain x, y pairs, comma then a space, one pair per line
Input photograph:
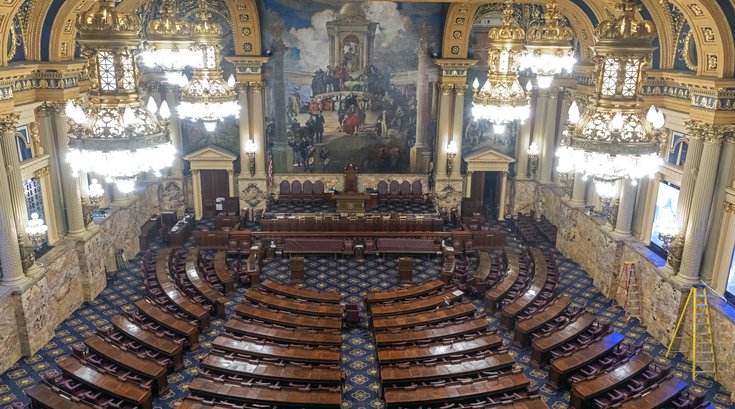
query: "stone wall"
588, 241
521, 194
72, 272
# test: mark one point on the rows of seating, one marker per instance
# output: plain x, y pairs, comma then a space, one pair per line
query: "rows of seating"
547, 229
387, 222
490, 269
442, 356
532, 229
539, 292
273, 357
298, 192
514, 282
125, 364
404, 192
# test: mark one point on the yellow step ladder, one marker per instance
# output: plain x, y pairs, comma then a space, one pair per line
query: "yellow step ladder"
629, 282
703, 350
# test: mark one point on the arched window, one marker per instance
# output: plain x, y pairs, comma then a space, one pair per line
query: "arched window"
678, 149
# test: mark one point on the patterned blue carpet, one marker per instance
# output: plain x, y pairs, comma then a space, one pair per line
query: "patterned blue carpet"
351, 279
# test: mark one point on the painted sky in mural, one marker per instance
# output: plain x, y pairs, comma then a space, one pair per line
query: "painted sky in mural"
347, 87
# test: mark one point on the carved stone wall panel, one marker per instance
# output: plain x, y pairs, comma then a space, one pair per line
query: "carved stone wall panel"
10, 346
253, 194
448, 194
171, 195
522, 198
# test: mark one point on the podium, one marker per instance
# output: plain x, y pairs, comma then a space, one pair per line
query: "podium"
296, 265
405, 270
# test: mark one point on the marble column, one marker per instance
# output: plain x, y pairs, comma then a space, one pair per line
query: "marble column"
47, 129
724, 179
257, 122
524, 140
245, 130
421, 151
10, 257
696, 131
443, 131
626, 207
458, 126
468, 185
503, 190
579, 191
694, 238
560, 121
548, 131
537, 134
197, 188
175, 133
69, 180
44, 178
282, 153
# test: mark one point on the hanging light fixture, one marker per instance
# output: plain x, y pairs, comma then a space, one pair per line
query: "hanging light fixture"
501, 99
169, 47
549, 48
96, 192
207, 97
115, 136
609, 140
36, 231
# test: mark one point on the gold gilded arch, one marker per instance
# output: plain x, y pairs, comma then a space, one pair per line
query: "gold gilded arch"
64, 32
664, 31
8, 8
460, 17
35, 29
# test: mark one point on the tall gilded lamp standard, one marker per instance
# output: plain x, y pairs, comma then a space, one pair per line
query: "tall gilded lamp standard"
533, 154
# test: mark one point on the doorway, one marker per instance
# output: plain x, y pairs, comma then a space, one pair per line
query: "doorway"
215, 183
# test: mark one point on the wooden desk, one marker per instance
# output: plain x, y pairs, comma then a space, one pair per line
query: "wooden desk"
223, 273
540, 276
42, 396
495, 294
287, 335
438, 350
315, 398
300, 293
213, 297
259, 313
297, 266
294, 353
524, 328
435, 333
449, 313
195, 402
351, 202
170, 322
543, 345
659, 396
148, 232
182, 302
374, 297
148, 369
109, 384
297, 306
584, 392
483, 269
564, 366
183, 230
150, 339
424, 303
425, 395
269, 371
425, 373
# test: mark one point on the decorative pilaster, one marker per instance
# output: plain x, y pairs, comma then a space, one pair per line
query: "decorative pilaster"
44, 177
503, 192
694, 237
539, 124
421, 151
44, 116
697, 132
523, 171
626, 206
443, 131
257, 101
196, 182
548, 130
69, 180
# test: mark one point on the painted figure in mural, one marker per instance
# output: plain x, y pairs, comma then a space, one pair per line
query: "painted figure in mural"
351, 57
324, 157
294, 103
341, 76
319, 127
351, 123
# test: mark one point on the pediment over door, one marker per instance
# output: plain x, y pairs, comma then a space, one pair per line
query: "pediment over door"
488, 160
211, 157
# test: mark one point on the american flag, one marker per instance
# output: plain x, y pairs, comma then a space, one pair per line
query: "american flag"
270, 172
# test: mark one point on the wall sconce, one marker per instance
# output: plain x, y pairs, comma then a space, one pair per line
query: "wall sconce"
533, 153
250, 151
667, 228
451, 153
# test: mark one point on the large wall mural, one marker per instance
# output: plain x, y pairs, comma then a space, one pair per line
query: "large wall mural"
348, 82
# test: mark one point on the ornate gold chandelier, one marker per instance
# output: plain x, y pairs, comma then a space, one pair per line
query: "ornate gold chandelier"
168, 45
115, 136
501, 99
610, 140
207, 97
549, 47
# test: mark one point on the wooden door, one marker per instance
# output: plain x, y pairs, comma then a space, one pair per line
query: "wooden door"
215, 184
477, 187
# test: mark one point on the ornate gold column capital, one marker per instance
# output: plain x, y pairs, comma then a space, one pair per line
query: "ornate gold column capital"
709, 133
195, 172
446, 89
41, 173
729, 207
257, 87
9, 122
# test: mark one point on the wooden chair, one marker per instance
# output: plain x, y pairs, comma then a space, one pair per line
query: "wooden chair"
417, 193
405, 196
296, 195
284, 191
308, 192
232, 248
383, 190
394, 191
